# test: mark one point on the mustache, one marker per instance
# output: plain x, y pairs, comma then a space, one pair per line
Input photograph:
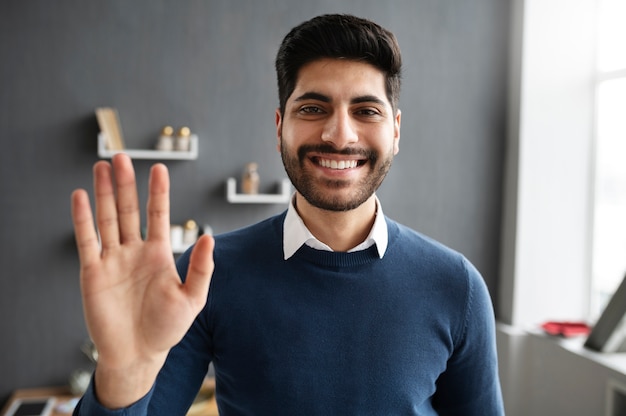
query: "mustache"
328, 149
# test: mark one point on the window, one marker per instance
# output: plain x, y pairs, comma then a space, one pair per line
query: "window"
609, 213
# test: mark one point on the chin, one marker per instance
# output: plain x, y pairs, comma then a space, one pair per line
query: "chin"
345, 201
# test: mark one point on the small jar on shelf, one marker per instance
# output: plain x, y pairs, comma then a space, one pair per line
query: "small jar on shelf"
190, 232
183, 139
166, 139
250, 179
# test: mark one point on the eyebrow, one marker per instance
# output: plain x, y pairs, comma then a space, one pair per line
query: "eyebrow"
313, 96
326, 99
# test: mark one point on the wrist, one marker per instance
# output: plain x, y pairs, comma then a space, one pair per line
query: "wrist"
120, 387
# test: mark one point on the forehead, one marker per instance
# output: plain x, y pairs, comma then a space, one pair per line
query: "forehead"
340, 78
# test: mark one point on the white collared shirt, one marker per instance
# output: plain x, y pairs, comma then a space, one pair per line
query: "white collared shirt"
295, 233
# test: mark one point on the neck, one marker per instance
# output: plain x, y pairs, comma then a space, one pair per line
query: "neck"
341, 231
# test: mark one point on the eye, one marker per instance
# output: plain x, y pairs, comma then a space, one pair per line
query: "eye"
310, 109
368, 112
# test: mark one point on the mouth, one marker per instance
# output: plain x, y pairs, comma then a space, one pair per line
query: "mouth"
338, 164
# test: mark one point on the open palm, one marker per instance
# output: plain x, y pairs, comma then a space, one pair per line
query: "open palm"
135, 305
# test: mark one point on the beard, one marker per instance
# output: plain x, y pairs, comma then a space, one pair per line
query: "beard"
315, 190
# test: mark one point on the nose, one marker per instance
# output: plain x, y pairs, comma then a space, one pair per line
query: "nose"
339, 130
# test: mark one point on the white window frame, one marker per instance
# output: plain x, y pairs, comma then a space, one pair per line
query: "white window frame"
607, 276
547, 207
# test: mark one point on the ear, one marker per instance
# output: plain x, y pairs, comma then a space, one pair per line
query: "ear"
396, 132
279, 129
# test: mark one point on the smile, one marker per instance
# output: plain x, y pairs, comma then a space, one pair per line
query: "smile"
337, 164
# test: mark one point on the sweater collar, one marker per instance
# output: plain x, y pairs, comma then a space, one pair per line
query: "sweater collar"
296, 234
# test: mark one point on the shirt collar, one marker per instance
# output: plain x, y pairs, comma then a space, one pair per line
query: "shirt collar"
295, 233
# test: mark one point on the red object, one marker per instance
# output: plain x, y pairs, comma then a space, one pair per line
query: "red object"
566, 328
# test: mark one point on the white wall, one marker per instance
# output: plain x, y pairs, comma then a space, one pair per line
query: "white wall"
546, 376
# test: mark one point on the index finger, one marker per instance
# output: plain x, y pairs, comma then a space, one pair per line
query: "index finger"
84, 229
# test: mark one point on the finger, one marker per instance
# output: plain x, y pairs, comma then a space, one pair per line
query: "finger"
127, 199
106, 211
200, 270
158, 208
84, 230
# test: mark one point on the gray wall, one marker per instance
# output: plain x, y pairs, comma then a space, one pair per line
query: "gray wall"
209, 65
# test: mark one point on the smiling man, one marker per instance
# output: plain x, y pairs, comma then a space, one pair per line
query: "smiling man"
330, 308
337, 136
348, 136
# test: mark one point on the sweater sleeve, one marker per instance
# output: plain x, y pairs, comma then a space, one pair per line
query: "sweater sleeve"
470, 385
90, 406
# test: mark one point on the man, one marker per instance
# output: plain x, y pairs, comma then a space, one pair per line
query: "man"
329, 308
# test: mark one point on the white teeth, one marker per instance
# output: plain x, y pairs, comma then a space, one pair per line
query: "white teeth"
341, 164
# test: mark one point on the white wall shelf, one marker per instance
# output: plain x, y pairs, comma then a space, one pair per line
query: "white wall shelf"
191, 154
280, 198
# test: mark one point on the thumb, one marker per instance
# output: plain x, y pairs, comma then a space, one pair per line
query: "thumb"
200, 270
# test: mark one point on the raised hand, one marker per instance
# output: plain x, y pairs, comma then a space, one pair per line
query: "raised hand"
135, 306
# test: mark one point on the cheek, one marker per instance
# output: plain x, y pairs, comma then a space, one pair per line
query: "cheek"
291, 136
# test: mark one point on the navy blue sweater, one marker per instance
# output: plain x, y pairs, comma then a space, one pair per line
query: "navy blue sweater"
326, 333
